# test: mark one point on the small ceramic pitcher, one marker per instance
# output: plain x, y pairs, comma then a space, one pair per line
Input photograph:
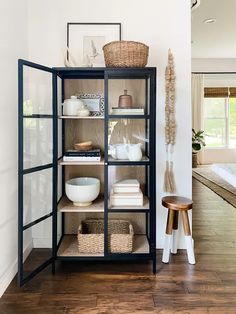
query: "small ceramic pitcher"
118, 151
134, 152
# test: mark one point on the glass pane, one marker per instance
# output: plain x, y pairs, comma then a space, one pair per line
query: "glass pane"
37, 245
59, 137
215, 132
37, 193
37, 140
135, 88
59, 182
128, 187
59, 226
121, 226
37, 91
232, 122
214, 107
59, 96
127, 131
118, 173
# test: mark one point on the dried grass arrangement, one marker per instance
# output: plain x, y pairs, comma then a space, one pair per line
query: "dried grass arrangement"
170, 123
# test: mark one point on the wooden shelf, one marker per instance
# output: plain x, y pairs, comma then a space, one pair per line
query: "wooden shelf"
113, 161
67, 206
145, 207
81, 163
128, 116
69, 247
82, 118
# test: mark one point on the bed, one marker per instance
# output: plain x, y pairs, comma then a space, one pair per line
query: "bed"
226, 172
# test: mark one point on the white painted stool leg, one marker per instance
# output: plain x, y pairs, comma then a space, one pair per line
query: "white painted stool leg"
174, 242
166, 250
188, 238
190, 252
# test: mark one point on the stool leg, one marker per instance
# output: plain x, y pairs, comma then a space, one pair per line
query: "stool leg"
175, 233
167, 243
188, 238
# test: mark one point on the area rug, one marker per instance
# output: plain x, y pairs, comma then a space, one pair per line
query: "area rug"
214, 182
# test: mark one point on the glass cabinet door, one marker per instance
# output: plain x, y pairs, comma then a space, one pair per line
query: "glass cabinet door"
129, 161
37, 168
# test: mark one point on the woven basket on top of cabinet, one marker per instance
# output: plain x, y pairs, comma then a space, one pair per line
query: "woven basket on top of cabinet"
125, 54
91, 236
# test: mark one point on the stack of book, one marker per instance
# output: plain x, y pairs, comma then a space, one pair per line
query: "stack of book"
77, 155
127, 111
126, 193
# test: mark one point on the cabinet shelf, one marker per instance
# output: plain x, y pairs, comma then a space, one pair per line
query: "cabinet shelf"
69, 247
81, 163
67, 206
120, 162
82, 118
121, 209
129, 116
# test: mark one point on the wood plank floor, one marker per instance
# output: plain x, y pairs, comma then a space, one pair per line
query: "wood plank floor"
93, 288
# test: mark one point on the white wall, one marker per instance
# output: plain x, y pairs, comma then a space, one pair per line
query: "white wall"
13, 45
161, 25
213, 65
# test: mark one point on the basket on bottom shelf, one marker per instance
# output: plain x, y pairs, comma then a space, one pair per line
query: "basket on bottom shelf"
91, 236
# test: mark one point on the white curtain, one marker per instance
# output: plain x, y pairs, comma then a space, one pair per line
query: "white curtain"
197, 105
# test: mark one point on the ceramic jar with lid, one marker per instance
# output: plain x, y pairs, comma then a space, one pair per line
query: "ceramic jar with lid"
125, 101
71, 106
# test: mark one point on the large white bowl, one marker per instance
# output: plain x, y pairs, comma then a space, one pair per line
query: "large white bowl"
82, 191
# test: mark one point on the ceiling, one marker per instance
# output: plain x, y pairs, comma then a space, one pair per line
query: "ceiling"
217, 40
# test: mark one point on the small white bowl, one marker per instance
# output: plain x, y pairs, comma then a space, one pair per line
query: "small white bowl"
82, 191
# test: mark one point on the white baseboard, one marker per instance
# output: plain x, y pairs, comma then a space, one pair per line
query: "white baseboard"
6, 279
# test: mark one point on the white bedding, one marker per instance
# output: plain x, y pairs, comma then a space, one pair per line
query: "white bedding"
226, 172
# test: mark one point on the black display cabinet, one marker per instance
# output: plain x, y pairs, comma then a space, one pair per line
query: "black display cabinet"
48, 221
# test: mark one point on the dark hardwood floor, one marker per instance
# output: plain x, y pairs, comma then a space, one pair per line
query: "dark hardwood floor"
92, 288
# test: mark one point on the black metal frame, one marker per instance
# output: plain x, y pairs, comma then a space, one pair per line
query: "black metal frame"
149, 74
21, 171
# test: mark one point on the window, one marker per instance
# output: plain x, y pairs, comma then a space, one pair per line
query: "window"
220, 117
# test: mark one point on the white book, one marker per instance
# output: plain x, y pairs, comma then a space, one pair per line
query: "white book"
127, 111
77, 158
126, 199
126, 186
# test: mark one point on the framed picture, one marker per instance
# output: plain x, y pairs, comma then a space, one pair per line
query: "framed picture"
94, 103
85, 42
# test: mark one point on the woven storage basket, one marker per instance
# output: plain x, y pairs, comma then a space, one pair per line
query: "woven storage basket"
91, 236
125, 54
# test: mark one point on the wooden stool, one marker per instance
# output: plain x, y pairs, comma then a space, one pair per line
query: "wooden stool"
176, 204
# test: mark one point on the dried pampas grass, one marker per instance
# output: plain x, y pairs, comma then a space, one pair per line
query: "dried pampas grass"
170, 123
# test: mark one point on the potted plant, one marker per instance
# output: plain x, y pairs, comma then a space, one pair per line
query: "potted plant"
198, 142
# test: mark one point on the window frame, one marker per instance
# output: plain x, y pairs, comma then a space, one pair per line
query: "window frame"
226, 120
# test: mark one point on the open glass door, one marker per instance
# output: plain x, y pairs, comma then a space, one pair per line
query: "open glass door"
37, 169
